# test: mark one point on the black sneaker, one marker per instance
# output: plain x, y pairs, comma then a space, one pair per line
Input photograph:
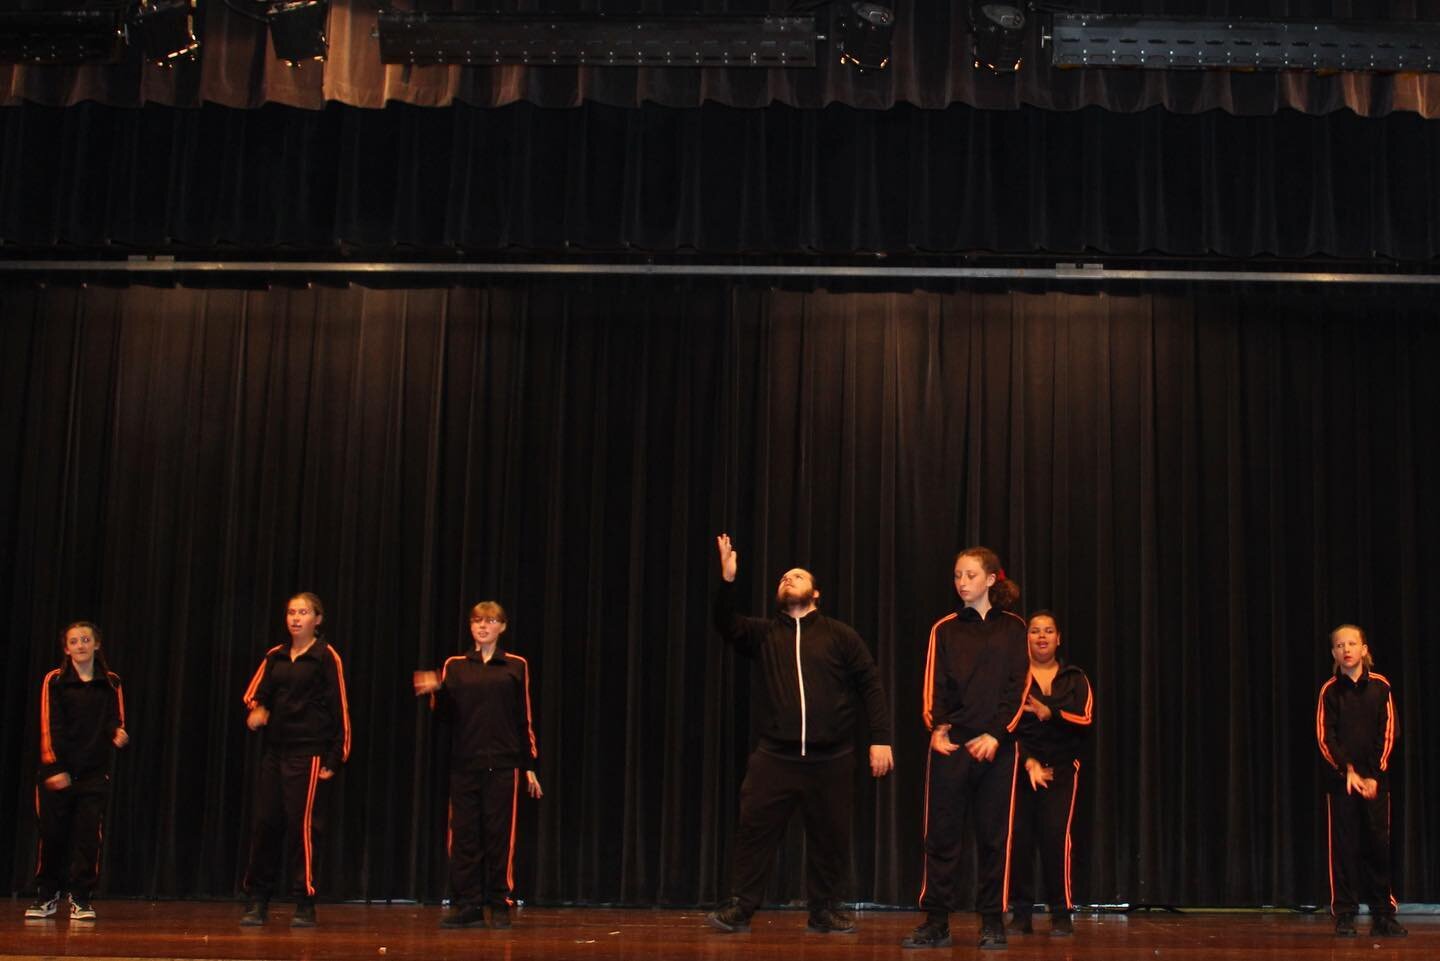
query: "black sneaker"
731, 919
932, 933
1385, 926
500, 917
81, 909
992, 932
827, 920
257, 912
304, 916
1061, 925
1344, 925
463, 916
42, 908
1021, 923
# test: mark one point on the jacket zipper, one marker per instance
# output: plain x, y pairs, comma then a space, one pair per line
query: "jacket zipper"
800, 677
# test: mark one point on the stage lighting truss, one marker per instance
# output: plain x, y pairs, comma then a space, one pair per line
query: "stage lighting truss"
1173, 43
691, 41
997, 35
298, 29
165, 30
863, 35
52, 34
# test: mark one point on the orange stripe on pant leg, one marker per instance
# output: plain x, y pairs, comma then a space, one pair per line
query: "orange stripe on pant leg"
450, 829
1074, 793
1330, 851
305, 829
925, 831
1009, 833
510, 860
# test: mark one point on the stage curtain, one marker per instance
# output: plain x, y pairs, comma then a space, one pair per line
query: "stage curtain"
449, 183
931, 67
1201, 482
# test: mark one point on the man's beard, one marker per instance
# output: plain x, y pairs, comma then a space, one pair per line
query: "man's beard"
785, 599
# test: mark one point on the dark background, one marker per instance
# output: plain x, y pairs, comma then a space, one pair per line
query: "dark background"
1202, 481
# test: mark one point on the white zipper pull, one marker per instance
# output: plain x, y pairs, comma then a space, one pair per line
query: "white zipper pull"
800, 677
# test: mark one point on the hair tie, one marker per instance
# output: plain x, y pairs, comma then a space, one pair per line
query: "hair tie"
1001, 575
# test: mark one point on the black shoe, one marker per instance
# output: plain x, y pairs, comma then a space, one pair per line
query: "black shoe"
500, 917
81, 909
1385, 926
827, 920
304, 916
933, 933
1021, 923
256, 914
1061, 925
1345, 926
463, 916
992, 932
731, 919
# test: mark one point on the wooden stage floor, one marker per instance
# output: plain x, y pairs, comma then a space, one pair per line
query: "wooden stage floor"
354, 932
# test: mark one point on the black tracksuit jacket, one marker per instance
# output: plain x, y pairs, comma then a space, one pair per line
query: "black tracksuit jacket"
78, 720
976, 674
309, 709
488, 706
1071, 703
1355, 725
816, 673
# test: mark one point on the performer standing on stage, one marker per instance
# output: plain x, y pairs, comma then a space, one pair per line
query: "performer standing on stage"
297, 697
1355, 726
816, 672
485, 694
976, 681
82, 722
1056, 717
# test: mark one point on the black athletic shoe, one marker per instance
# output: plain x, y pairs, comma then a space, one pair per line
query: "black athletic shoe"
731, 919
1385, 926
1345, 926
930, 934
992, 932
304, 916
828, 920
256, 914
466, 916
500, 917
1061, 926
1021, 923
81, 909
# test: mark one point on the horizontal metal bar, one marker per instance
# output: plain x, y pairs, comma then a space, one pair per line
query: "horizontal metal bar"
1067, 272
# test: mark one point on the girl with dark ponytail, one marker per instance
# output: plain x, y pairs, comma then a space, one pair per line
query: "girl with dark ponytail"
976, 677
82, 723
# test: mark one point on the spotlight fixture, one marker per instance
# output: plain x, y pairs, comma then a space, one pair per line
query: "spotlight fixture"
997, 32
297, 29
863, 35
59, 33
165, 29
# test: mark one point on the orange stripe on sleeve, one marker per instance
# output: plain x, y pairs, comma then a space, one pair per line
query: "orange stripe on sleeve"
928, 694
1320, 724
529, 723
249, 698
1020, 711
1389, 730
344, 700
1088, 715
119, 697
47, 743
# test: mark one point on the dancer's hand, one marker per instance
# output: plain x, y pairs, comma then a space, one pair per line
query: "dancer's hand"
729, 560
532, 785
882, 760
258, 718
58, 782
940, 741
326, 774
1034, 706
426, 682
982, 747
1040, 775
121, 738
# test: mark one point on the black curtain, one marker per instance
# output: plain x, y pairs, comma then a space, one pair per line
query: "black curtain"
1200, 481
464, 181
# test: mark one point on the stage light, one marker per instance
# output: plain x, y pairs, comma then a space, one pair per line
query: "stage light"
997, 32
165, 29
297, 29
56, 33
863, 35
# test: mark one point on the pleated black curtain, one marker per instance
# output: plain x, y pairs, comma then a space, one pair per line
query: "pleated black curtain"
462, 180
1201, 481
